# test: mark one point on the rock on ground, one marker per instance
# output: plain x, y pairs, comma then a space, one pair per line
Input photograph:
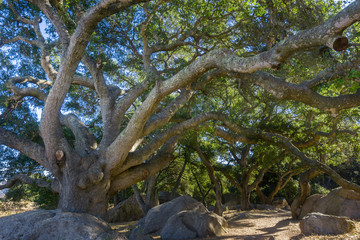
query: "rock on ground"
322, 224
339, 202
280, 202
188, 212
193, 224
127, 210
55, 224
157, 217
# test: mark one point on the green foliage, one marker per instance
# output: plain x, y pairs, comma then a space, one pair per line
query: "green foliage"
245, 27
290, 191
317, 188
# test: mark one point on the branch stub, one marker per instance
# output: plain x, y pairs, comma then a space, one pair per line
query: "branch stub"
338, 43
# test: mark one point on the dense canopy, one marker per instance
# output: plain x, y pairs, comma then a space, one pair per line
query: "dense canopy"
100, 93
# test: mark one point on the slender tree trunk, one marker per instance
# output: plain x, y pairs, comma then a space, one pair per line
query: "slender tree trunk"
218, 196
151, 194
139, 198
151, 199
245, 199
199, 186
261, 195
217, 186
305, 191
177, 183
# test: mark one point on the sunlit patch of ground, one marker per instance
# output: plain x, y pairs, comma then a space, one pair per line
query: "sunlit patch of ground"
258, 224
10, 208
244, 225
123, 227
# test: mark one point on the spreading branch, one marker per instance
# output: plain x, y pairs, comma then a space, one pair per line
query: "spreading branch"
27, 180
147, 169
50, 126
25, 146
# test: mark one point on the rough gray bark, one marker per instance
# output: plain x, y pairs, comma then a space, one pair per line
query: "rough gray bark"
89, 174
151, 199
305, 191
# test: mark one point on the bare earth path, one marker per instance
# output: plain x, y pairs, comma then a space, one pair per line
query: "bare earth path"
258, 224
244, 225
261, 224
255, 224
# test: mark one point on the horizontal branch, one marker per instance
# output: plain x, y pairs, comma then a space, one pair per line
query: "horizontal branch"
28, 91
283, 90
286, 143
333, 72
25, 146
19, 38
27, 180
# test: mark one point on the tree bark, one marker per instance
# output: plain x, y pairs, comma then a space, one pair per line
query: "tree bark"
217, 186
245, 199
139, 198
263, 199
177, 183
151, 193
305, 191
88, 174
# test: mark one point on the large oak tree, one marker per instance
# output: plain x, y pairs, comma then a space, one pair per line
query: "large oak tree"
141, 62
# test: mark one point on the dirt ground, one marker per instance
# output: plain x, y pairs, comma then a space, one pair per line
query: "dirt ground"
259, 224
10, 208
244, 225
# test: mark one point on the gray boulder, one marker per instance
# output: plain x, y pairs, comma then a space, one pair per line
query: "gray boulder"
339, 202
280, 202
157, 217
322, 224
127, 210
55, 224
193, 224
182, 217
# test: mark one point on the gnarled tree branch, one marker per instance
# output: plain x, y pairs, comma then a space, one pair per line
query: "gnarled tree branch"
25, 146
27, 180
145, 170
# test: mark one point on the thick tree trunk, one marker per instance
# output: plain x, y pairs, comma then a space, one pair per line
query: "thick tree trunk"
93, 200
82, 184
